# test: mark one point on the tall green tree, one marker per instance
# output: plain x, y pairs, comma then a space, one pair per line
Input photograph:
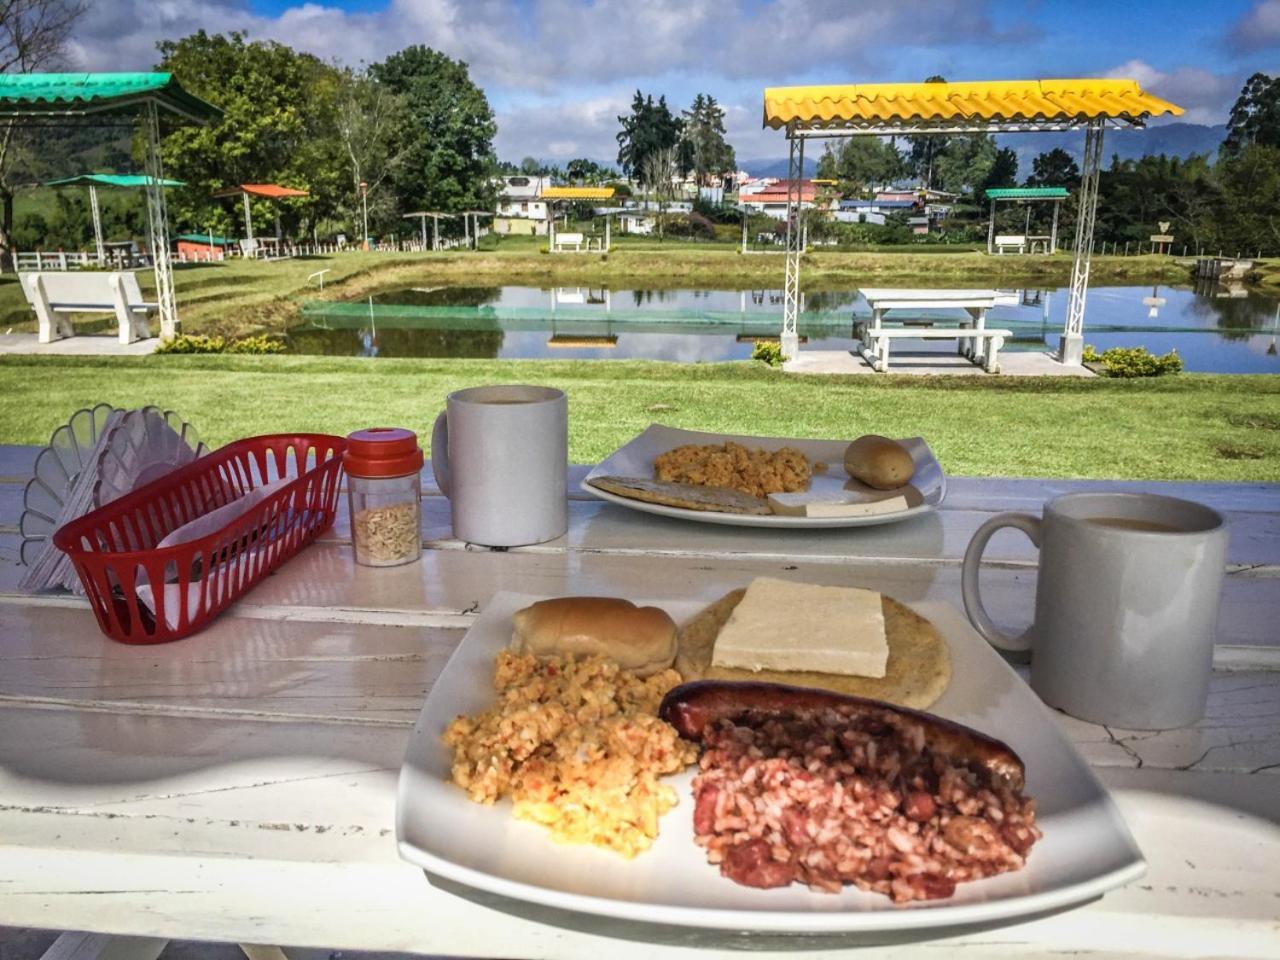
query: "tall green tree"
1054, 168
446, 132
1255, 117
709, 154
649, 128
860, 164
277, 127
966, 164
1003, 172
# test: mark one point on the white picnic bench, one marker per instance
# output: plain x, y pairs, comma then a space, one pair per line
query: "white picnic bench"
974, 340
240, 785
1012, 242
55, 296
575, 243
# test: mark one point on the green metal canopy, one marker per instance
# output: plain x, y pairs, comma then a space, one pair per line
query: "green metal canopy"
112, 180
206, 238
95, 99
63, 94
1028, 193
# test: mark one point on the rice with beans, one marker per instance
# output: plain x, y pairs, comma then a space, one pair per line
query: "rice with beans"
827, 799
577, 746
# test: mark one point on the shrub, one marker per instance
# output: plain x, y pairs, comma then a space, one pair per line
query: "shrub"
1139, 362
1090, 355
767, 352
198, 343
192, 343
263, 343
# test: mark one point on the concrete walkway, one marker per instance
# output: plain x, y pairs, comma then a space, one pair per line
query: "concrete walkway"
81, 345
1031, 363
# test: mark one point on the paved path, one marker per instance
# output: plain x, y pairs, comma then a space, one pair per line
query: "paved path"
81, 345
1030, 363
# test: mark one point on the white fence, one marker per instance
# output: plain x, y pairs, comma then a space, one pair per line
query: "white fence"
44, 261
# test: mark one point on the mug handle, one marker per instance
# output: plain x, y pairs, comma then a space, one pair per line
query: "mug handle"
969, 579
440, 451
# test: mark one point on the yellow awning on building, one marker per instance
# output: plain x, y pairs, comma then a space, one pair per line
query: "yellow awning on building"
578, 193
861, 105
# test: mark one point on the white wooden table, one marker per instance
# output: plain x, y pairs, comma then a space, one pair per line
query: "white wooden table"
970, 333
239, 785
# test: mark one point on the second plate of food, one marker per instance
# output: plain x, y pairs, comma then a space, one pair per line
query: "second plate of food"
630, 469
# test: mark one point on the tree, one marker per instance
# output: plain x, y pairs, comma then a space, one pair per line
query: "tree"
860, 164
1255, 117
966, 164
446, 132
926, 150
530, 166
1003, 172
279, 108
368, 118
708, 153
1054, 168
658, 167
1248, 216
650, 127
33, 34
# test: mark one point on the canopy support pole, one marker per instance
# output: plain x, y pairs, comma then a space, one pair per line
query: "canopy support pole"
158, 221
790, 339
1071, 348
97, 225
1053, 232
424, 233
991, 231
248, 218
435, 234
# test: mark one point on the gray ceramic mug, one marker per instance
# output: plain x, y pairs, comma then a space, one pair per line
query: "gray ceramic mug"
501, 456
1126, 605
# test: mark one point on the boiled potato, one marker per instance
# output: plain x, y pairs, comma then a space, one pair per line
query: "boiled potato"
879, 462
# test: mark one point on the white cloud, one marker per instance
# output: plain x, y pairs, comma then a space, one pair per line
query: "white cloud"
1206, 96
1258, 29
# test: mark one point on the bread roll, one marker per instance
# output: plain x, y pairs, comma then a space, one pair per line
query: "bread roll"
639, 639
879, 462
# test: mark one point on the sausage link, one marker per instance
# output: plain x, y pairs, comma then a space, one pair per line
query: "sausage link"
692, 707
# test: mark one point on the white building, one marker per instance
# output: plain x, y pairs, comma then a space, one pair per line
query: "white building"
521, 209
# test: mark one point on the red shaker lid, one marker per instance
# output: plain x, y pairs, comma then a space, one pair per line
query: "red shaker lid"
382, 452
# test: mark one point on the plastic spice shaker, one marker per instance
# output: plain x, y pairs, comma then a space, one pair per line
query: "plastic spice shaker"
384, 495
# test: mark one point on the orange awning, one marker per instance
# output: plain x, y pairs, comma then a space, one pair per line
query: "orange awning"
272, 191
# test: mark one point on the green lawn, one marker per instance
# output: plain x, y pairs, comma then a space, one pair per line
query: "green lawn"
1186, 427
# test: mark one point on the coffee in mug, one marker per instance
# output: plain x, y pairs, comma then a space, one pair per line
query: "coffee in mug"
501, 455
1126, 605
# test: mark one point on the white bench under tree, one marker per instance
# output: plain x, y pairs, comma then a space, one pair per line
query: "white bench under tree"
55, 296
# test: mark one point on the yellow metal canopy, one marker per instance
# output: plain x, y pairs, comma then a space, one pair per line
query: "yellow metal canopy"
578, 193
861, 105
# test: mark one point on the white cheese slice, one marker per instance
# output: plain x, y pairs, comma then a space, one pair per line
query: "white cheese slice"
784, 625
833, 504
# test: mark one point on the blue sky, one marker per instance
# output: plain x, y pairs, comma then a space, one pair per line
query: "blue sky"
559, 71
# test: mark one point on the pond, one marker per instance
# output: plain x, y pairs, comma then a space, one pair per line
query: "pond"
1216, 330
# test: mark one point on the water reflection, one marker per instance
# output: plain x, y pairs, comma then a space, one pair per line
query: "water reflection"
1221, 329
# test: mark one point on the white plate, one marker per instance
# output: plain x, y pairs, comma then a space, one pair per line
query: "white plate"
1086, 849
635, 459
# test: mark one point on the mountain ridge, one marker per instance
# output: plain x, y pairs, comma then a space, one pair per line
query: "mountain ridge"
1173, 139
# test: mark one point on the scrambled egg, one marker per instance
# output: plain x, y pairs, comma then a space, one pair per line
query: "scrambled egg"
577, 746
757, 473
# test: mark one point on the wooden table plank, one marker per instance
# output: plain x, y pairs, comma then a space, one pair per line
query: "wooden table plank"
190, 834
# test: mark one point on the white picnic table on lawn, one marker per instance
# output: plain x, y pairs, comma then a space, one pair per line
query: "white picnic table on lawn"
239, 785
974, 341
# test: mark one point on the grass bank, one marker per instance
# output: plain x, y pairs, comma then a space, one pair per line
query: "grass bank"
238, 297
1187, 427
